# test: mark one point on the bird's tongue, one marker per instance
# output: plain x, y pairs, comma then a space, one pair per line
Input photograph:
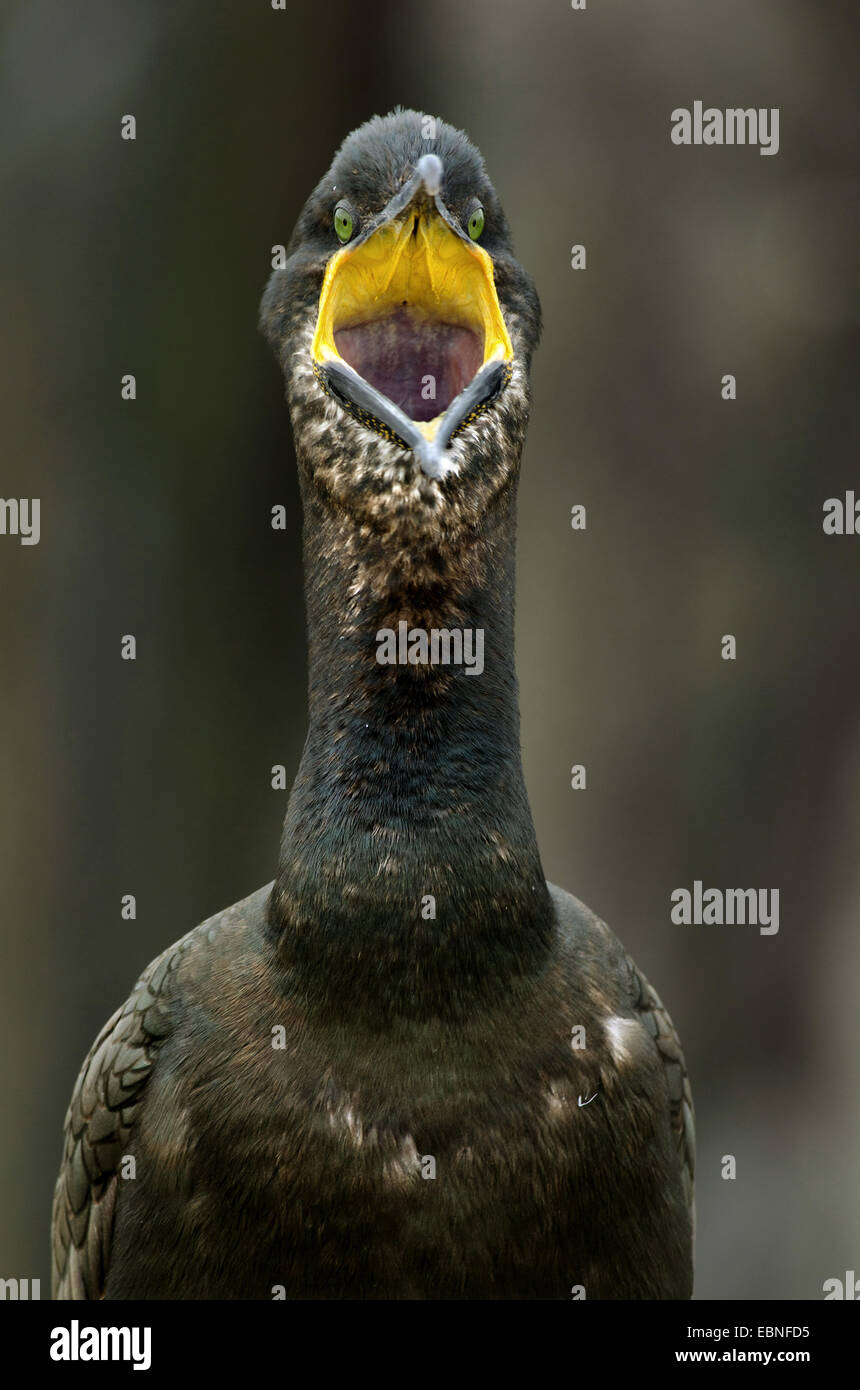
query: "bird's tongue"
419, 363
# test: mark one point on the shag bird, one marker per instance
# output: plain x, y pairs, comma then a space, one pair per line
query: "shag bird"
409, 1067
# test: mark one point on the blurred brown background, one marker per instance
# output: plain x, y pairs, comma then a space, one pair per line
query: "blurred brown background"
704, 517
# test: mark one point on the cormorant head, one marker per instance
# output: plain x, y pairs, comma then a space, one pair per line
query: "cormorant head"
405, 328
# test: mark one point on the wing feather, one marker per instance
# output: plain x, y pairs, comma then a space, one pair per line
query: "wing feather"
98, 1127
655, 1019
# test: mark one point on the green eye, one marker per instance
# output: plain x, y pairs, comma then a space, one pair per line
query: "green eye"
475, 225
343, 222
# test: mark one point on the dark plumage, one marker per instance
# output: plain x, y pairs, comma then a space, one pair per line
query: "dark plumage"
404, 1036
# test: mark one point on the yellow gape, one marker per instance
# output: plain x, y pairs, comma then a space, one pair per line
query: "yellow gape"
414, 265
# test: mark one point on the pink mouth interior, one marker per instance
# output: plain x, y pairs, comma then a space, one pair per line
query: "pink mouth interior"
396, 354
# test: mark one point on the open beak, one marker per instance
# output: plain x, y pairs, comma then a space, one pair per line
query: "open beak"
409, 334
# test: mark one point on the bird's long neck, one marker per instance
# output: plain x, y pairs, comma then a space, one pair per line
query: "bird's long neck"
409, 880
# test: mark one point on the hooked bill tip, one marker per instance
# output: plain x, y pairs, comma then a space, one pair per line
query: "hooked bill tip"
429, 169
